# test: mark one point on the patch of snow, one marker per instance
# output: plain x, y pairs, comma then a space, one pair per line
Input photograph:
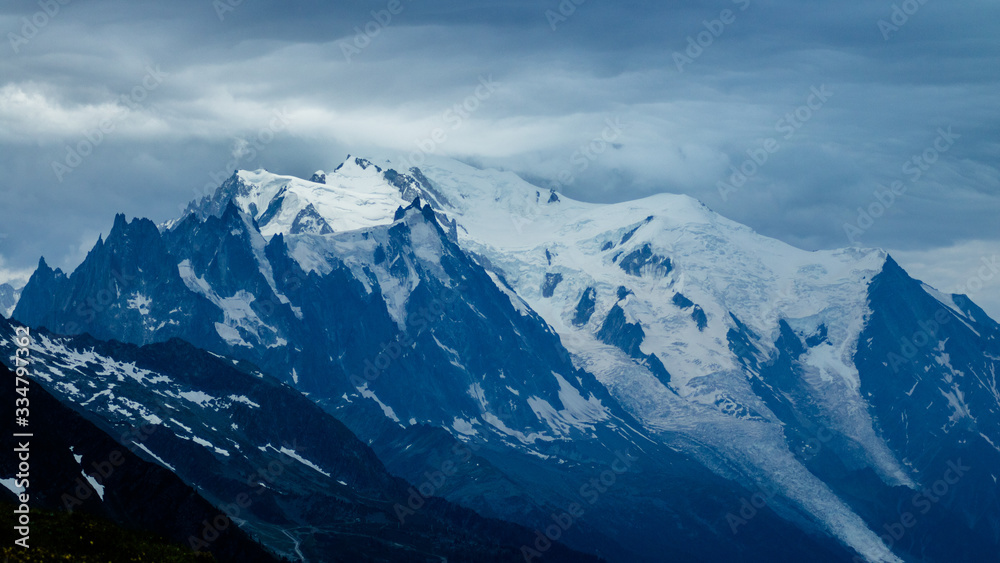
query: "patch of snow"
140, 303
187, 428
99, 488
463, 427
156, 457
11, 486
200, 398
987, 438
244, 400
209, 445
519, 305
292, 454
366, 393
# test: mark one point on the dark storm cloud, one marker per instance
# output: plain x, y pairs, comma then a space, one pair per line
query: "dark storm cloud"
688, 113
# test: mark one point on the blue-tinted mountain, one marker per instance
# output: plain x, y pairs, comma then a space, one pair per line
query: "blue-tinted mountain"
76, 467
266, 462
755, 385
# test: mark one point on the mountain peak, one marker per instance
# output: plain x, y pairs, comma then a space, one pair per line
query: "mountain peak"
356, 166
120, 222
354, 196
231, 212
122, 228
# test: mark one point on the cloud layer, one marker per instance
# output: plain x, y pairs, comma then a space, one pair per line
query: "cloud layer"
166, 97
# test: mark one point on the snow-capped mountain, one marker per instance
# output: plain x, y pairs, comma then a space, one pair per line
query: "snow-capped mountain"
8, 298
278, 467
774, 401
76, 466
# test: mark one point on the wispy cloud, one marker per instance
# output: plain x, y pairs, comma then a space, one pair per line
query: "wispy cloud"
606, 61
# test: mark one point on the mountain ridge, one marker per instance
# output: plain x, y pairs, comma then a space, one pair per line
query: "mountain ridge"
655, 324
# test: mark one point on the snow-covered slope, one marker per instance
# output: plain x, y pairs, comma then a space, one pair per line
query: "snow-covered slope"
684, 276
690, 277
674, 257
689, 337
354, 196
229, 431
8, 298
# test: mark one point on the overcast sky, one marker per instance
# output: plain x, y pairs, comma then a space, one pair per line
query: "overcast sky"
837, 97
